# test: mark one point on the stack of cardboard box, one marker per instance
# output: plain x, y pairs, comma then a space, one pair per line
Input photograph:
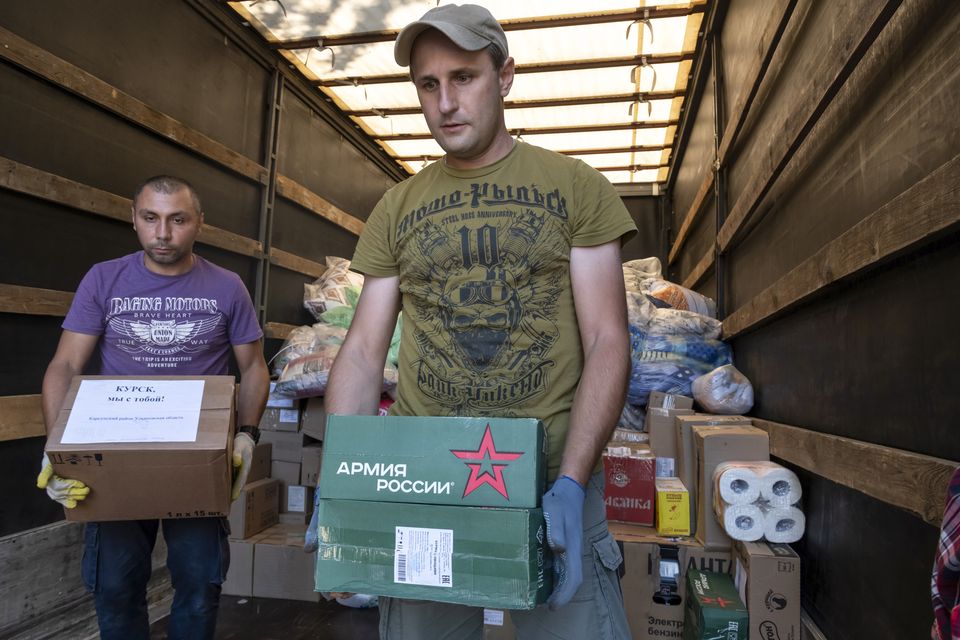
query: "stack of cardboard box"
268, 521
442, 509
688, 447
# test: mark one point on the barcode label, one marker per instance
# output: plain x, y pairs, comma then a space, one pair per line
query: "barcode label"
423, 556
401, 567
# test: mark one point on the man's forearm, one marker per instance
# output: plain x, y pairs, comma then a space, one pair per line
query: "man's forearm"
254, 388
56, 382
354, 385
596, 406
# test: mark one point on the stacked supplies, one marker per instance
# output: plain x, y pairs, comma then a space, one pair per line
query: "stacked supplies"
755, 500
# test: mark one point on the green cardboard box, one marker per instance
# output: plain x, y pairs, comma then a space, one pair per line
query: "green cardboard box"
479, 556
477, 462
714, 610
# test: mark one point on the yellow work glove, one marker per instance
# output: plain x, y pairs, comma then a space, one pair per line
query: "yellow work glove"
63, 490
242, 455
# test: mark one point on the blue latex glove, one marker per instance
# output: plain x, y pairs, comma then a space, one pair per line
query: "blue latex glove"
563, 512
310, 542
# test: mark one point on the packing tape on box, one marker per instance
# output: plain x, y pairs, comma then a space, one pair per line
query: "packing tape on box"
743, 521
782, 524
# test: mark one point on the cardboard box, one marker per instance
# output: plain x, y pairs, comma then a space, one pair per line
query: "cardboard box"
713, 609
260, 463
654, 586
239, 581
767, 576
487, 557
715, 445
686, 456
256, 508
629, 491
310, 457
661, 400
286, 445
483, 462
280, 567
286, 472
497, 625
673, 507
313, 419
663, 438
146, 480
291, 517
275, 419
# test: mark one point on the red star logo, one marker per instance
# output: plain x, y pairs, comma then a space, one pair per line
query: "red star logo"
487, 453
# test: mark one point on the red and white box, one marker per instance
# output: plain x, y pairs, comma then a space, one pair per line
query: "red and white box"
630, 486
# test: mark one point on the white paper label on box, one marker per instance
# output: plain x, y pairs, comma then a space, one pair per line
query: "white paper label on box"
135, 411
665, 467
423, 556
289, 415
493, 617
296, 498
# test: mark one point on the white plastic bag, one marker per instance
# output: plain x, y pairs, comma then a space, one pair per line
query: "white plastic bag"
724, 390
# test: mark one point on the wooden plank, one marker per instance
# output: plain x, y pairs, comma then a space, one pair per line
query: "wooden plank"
706, 188
278, 330
296, 263
766, 46
292, 190
927, 209
910, 481
21, 417
839, 57
701, 269
41, 592
28, 180
33, 301
27, 55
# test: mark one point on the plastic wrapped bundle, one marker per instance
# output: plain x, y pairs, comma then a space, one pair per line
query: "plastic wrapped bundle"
724, 390
646, 316
307, 377
632, 417
305, 340
636, 271
678, 297
670, 363
337, 287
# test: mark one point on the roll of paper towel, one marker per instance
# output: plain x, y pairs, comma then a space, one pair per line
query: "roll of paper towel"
737, 484
779, 486
743, 522
783, 524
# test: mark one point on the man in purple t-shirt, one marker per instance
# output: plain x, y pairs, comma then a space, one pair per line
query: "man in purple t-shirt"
160, 311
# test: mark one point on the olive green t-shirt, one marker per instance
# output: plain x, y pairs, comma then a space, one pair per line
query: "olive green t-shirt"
483, 256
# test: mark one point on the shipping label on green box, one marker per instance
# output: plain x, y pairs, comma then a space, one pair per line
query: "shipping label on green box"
714, 610
479, 462
479, 556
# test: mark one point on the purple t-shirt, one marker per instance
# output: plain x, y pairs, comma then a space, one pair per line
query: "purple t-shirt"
163, 325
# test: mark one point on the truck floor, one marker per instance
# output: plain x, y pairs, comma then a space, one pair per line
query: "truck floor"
269, 619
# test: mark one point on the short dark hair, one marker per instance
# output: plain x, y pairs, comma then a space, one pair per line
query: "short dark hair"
168, 184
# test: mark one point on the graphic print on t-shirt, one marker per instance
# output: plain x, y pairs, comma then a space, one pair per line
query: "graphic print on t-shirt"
160, 331
486, 271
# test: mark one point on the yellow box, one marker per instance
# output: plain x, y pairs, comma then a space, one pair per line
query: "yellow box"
673, 507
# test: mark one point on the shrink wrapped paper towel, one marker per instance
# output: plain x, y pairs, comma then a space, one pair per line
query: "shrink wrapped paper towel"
783, 524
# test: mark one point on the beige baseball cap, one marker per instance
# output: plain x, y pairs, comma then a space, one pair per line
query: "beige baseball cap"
469, 26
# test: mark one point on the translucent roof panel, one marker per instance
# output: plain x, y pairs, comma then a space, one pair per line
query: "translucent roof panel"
583, 72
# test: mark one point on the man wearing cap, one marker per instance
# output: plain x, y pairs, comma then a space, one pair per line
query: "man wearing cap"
505, 259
